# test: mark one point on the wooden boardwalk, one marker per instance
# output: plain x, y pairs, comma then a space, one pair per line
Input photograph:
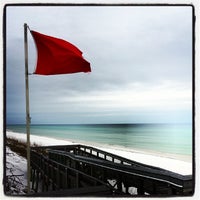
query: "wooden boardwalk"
78, 170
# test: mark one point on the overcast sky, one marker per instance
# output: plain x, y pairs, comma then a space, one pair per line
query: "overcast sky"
141, 61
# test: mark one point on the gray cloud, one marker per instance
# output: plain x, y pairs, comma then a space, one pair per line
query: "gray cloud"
125, 45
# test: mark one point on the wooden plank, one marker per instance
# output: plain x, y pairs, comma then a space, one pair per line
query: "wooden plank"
33, 177
77, 180
141, 188
37, 180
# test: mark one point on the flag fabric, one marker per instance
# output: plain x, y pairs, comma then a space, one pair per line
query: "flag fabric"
57, 56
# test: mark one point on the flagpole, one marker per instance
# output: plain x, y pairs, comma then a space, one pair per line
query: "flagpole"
27, 106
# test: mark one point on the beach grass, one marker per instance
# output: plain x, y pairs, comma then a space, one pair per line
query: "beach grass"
19, 146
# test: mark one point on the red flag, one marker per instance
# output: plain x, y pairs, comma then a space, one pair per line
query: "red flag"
57, 56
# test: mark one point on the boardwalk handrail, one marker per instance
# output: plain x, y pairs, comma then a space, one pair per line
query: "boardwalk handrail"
90, 151
147, 172
107, 156
44, 159
104, 166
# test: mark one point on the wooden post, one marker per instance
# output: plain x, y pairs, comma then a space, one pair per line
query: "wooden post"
141, 188
37, 180
33, 177
119, 183
66, 179
77, 179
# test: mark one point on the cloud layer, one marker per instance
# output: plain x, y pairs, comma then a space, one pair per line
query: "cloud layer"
141, 59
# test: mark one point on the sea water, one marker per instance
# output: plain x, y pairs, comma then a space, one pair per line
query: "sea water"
166, 138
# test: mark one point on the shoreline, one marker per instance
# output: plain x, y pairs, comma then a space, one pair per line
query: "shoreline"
181, 157
176, 163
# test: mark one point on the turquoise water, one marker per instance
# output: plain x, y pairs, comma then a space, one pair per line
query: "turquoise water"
174, 138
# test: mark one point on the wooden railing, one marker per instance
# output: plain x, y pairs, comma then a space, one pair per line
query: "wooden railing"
50, 175
78, 163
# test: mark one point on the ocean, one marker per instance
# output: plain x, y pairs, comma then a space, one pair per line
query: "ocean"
162, 138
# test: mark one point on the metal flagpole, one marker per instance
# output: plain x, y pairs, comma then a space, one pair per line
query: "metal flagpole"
27, 107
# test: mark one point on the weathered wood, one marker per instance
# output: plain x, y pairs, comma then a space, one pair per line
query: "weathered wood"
119, 183
37, 180
33, 177
77, 179
141, 188
77, 166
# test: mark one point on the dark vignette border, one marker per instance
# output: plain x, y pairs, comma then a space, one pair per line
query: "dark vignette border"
99, 5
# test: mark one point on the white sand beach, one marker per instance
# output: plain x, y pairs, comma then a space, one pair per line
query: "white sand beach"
164, 161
